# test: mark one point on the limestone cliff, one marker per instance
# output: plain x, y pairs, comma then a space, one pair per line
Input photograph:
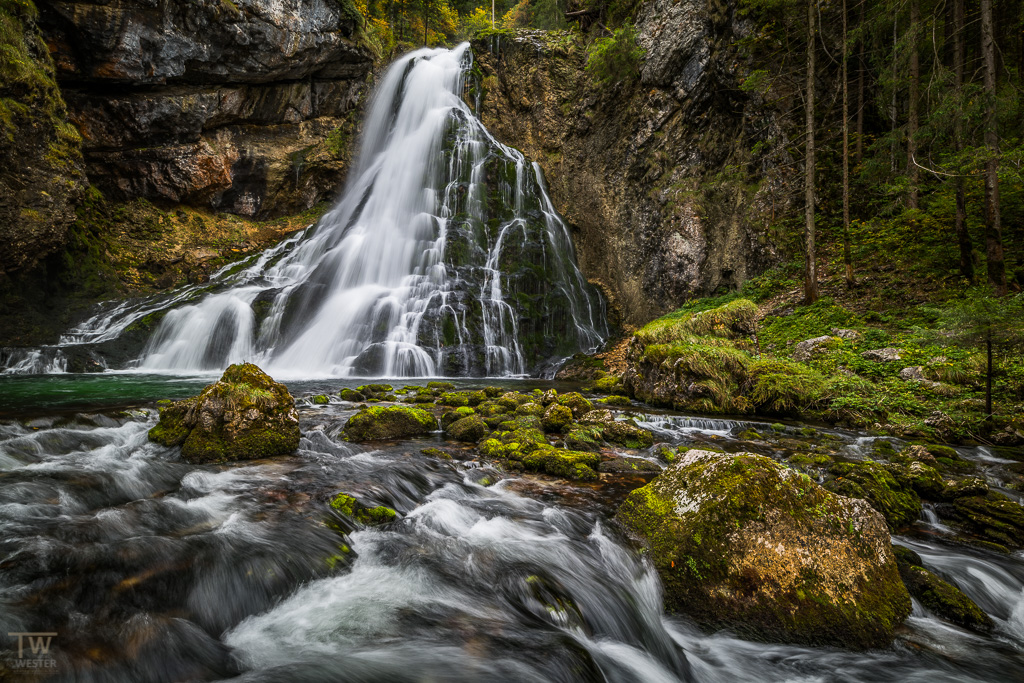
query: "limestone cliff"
244, 107
41, 173
657, 176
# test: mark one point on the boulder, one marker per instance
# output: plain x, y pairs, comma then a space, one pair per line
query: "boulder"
391, 422
937, 596
471, 428
994, 517
875, 483
886, 355
913, 374
624, 433
556, 417
244, 416
850, 335
742, 542
806, 349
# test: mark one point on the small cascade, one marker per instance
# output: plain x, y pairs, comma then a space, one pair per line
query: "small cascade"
444, 257
679, 425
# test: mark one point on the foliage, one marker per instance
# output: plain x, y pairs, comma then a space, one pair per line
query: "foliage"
616, 59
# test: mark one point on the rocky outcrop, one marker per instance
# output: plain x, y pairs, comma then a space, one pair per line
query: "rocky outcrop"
744, 543
41, 171
246, 415
245, 107
657, 177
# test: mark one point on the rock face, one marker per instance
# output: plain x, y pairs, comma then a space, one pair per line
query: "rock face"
240, 106
244, 416
742, 542
655, 176
41, 170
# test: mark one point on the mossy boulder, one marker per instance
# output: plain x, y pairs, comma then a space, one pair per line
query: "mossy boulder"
320, 400
461, 398
391, 422
351, 395
744, 543
875, 483
576, 465
993, 517
455, 415
942, 599
584, 437
577, 403
353, 509
471, 428
530, 408
923, 479
610, 384
622, 432
556, 417
245, 415
964, 488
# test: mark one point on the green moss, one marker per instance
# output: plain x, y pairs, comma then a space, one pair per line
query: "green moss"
461, 398
614, 401
471, 428
575, 402
993, 517
875, 483
391, 422
351, 395
321, 400
436, 453
702, 519
370, 516
942, 599
573, 465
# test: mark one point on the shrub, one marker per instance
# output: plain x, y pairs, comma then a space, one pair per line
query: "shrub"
615, 59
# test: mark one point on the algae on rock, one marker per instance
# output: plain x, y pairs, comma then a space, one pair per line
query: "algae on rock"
744, 543
244, 416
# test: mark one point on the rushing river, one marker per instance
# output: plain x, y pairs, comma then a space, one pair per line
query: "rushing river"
151, 569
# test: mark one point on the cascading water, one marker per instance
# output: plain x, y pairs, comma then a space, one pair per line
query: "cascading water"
444, 257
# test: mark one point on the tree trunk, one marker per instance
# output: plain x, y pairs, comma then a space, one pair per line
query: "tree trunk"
846, 157
810, 267
913, 176
993, 227
963, 237
860, 87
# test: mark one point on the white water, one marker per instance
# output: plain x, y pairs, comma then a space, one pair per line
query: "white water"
443, 246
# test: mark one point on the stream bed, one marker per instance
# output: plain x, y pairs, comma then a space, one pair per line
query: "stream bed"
150, 569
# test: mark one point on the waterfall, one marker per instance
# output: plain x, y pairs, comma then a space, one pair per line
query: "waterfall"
444, 257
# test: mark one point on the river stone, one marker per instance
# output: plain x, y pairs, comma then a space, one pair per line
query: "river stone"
392, 422
806, 349
939, 597
244, 416
741, 542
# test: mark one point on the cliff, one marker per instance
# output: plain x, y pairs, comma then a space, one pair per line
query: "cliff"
657, 175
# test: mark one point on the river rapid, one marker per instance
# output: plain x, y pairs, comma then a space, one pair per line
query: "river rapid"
151, 569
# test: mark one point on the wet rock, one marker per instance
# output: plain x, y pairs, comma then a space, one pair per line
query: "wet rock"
875, 483
535, 409
923, 479
575, 465
621, 432
391, 422
246, 415
623, 464
351, 395
807, 349
556, 417
964, 488
886, 355
993, 517
943, 599
353, 509
471, 429
744, 543
576, 402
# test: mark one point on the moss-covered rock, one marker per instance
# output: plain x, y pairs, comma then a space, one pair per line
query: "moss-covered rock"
942, 599
576, 465
584, 437
873, 482
451, 416
611, 384
391, 422
461, 398
244, 416
471, 428
742, 542
622, 432
556, 417
924, 479
530, 408
994, 517
353, 509
320, 400
577, 403
964, 488
352, 395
